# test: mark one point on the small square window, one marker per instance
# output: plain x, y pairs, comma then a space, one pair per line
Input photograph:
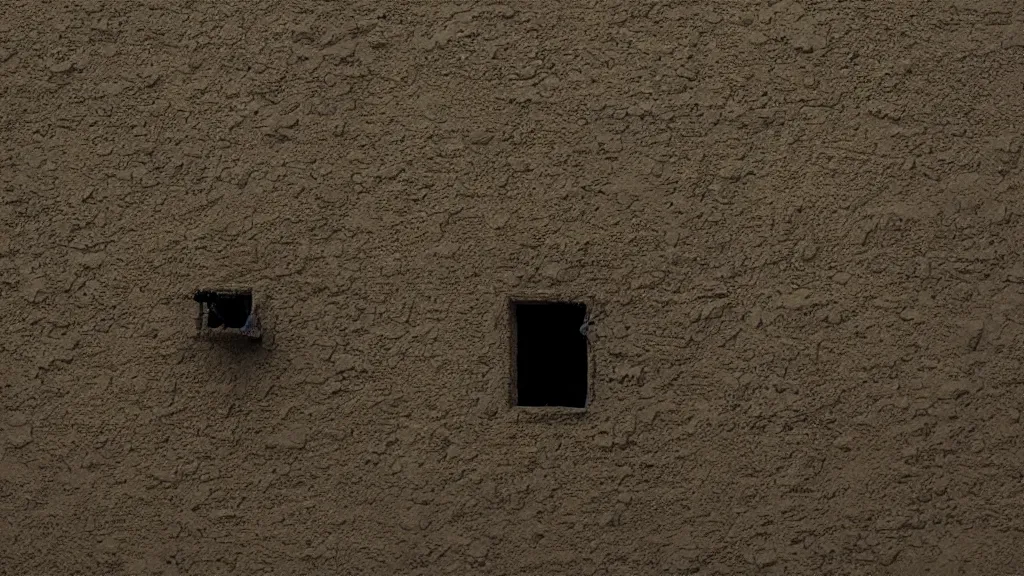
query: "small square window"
549, 354
228, 309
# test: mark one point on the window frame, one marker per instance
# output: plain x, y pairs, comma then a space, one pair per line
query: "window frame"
513, 331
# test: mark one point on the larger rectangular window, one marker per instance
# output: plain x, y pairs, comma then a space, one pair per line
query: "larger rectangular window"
549, 354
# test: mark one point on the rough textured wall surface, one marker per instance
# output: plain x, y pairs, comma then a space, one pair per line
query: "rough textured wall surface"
798, 225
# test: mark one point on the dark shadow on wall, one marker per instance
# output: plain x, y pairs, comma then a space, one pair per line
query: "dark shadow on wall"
235, 364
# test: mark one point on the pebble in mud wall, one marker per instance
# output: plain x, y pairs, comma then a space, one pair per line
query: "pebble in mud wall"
798, 225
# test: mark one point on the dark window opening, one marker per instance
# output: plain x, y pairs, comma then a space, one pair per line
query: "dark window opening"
232, 309
550, 354
225, 309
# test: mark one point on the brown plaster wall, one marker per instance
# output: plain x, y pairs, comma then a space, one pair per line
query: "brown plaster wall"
798, 225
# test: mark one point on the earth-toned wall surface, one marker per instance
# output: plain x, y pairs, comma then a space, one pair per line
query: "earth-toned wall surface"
798, 226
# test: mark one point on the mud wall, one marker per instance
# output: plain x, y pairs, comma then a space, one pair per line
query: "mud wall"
798, 226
